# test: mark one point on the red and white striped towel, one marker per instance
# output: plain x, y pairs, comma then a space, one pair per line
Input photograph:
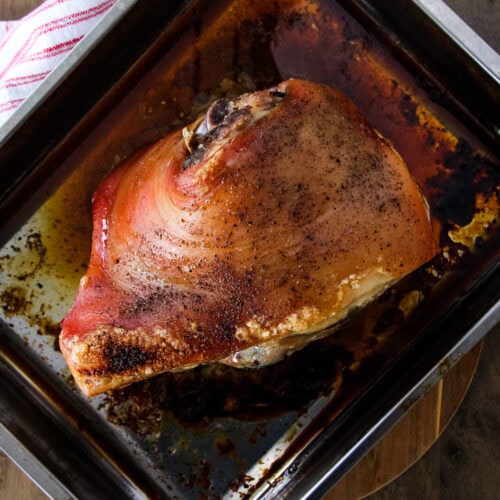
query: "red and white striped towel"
33, 46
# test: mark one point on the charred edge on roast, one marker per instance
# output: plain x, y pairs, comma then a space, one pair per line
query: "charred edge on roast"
200, 142
277, 94
221, 114
121, 358
218, 111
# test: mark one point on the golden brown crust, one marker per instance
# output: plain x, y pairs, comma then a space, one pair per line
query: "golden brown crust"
290, 211
112, 357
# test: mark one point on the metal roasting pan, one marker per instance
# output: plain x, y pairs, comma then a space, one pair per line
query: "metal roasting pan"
69, 445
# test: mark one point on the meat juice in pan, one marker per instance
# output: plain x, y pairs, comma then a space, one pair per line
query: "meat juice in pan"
248, 46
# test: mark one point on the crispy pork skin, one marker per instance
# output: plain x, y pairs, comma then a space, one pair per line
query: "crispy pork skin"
241, 237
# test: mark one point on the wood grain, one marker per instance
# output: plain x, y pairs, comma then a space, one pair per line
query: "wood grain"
464, 462
14, 484
411, 437
14, 9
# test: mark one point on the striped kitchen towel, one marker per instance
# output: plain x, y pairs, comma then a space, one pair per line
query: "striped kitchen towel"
32, 47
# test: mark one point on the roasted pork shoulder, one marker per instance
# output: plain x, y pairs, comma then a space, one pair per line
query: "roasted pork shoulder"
242, 237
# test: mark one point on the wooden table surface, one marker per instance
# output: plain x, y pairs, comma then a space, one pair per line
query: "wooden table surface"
464, 462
